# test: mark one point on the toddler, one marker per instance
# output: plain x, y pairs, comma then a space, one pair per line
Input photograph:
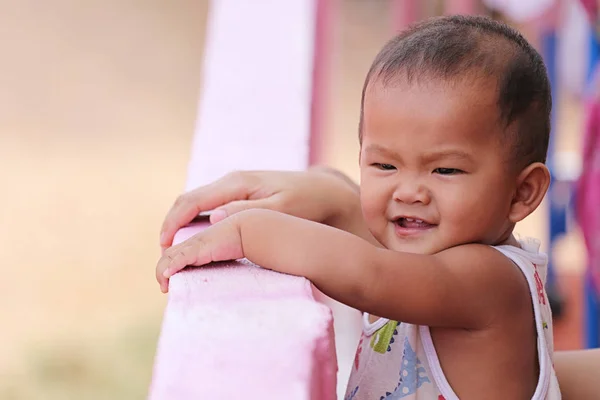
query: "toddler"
454, 129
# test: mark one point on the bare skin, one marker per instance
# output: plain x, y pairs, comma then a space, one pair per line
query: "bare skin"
577, 373
423, 149
329, 196
449, 125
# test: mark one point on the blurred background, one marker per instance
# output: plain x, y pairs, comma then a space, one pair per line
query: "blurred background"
98, 105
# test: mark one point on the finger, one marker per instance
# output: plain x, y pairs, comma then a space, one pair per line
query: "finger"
195, 253
162, 281
233, 207
164, 262
189, 205
176, 264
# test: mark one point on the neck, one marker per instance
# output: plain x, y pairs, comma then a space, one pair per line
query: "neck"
511, 241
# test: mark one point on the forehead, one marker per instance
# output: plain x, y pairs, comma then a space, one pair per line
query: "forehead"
432, 112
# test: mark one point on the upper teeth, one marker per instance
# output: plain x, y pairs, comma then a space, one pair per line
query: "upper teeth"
420, 221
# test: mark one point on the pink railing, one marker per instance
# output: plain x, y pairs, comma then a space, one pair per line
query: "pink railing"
233, 330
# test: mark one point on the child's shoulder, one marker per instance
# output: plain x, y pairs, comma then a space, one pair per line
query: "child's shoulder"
505, 269
524, 254
485, 259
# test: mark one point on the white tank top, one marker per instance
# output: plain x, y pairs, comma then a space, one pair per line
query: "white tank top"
396, 360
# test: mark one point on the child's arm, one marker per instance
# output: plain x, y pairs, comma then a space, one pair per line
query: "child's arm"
577, 373
461, 287
320, 194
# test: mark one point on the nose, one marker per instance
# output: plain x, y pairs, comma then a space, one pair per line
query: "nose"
411, 191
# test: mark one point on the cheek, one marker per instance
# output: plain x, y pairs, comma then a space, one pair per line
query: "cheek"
373, 200
460, 209
475, 204
369, 205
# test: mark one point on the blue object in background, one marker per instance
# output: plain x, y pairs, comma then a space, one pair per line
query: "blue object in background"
591, 315
591, 328
559, 205
557, 211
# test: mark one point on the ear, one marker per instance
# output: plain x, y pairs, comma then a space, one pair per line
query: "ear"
532, 185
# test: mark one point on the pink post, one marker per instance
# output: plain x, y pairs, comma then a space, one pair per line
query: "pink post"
467, 7
405, 12
234, 330
321, 62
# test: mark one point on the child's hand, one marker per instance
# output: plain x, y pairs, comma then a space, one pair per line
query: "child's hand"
315, 195
220, 242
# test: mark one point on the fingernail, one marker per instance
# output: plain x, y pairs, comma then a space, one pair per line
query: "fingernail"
166, 274
217, 215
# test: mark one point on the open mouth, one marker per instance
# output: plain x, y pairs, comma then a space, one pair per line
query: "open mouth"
412, 223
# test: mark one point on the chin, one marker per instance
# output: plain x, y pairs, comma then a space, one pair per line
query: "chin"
413, 247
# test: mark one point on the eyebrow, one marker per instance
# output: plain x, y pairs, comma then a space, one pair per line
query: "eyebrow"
427, 157
449, 153
375, 148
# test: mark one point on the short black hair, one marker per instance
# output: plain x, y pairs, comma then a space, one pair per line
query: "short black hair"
459, 46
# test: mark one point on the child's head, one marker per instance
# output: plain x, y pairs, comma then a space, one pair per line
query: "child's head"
455, 123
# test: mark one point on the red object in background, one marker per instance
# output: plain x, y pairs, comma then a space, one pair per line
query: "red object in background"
405, 12
588, 185
321, 62
591, 7
464, 7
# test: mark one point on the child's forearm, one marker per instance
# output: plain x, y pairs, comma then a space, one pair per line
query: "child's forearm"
346, 267
338, 174
448, 291
334, 260
346, 211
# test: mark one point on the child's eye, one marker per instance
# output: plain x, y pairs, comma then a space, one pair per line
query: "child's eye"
385, 167
447, 171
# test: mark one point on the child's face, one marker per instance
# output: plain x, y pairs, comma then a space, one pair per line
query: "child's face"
433, 166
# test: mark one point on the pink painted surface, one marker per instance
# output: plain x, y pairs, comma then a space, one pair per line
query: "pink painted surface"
405, 12
465, 7
588, 185
323, 51
234, 330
